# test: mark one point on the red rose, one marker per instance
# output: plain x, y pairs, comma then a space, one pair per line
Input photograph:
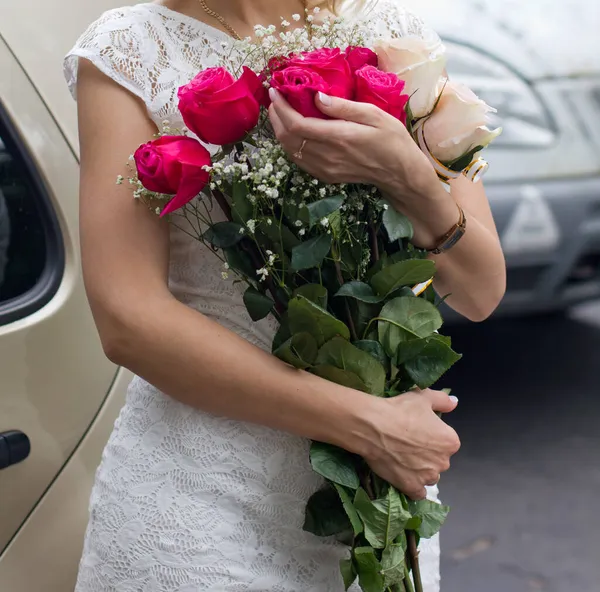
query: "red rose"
332, 66
173, 165
383, 89
299, 86
361, 56
220, 109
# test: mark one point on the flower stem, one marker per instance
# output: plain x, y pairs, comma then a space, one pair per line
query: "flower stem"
223, 204
408, 585
374, 243
413, 556
351, 326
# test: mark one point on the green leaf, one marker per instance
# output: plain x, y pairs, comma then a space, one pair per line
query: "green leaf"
223, 234
279, 234
305, 315
351, 512
241, 208
397, 225
403, 319
369, 570
435, 359
299, 351
348, 573
283, 333
257, 304
313, 292
403, 273
325, 515
311, 253
363, 313
375, 349
462, 162
342, 354
414, 523
393, 560
323, 208
240, 261
294, 212
334, 464
384, 519
432, 514
359, 291
342, 377
407, 350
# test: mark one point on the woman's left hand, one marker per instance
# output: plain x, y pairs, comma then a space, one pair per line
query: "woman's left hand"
360, 144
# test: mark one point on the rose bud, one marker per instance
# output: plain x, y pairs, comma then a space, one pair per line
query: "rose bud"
220, 109
383, 89
420, 63
172, 165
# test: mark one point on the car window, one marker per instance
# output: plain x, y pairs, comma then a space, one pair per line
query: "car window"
31, 252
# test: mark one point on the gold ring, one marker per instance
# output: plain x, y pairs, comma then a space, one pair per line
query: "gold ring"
298, 154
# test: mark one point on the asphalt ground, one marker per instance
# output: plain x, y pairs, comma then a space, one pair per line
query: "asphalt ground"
525, 515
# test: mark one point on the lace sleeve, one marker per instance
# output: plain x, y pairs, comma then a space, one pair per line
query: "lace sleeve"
114, 45
401, 22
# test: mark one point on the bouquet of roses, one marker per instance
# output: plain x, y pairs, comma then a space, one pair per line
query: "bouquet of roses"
333, 263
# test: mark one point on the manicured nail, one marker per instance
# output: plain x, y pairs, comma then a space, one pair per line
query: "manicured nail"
325, 99
273, 94
453, 399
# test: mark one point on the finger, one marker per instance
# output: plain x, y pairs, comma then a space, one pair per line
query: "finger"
305, 127
363, 113
433, 480
417, 494
440, 401
276, 122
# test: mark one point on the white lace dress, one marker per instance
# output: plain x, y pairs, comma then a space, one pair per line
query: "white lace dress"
185, 501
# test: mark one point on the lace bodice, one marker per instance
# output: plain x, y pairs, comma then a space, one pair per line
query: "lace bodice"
185, 501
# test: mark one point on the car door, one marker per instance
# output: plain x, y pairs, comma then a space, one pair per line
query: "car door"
53, 374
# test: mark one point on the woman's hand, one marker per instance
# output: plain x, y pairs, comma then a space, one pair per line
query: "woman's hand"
411, 445
361, 144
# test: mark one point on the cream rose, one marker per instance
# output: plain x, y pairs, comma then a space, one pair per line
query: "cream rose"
420, 62
459, 124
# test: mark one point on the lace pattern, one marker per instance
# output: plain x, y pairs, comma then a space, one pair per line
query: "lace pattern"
185, 501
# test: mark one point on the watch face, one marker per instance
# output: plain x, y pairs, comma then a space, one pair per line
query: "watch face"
456, 236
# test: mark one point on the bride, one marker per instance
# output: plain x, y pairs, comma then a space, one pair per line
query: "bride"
204, 481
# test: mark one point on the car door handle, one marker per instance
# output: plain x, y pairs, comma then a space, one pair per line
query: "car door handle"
14, 448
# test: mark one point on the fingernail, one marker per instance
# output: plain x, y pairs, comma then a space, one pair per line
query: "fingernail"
453, 399
273, 94
325, 99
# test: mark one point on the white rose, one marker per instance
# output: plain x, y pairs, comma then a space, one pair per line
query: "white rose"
420, 62
459, 124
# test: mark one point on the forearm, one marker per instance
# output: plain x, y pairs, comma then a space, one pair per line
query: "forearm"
473, 271
198, 362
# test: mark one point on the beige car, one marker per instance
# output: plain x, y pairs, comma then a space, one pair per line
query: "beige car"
59, 396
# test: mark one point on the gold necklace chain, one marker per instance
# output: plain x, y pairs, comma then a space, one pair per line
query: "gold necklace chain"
210, 12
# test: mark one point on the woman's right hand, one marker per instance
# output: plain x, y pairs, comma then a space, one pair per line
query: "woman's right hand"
409, 445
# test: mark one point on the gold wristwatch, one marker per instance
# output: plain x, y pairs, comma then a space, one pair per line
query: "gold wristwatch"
449, 239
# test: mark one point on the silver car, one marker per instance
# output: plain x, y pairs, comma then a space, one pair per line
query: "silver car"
538, 62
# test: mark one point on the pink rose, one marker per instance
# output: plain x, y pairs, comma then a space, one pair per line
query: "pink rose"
172, 165
299, 87
382, 89
220, 109
361, 56
332, 66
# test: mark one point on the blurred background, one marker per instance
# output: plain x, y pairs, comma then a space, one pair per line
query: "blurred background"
523, 488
